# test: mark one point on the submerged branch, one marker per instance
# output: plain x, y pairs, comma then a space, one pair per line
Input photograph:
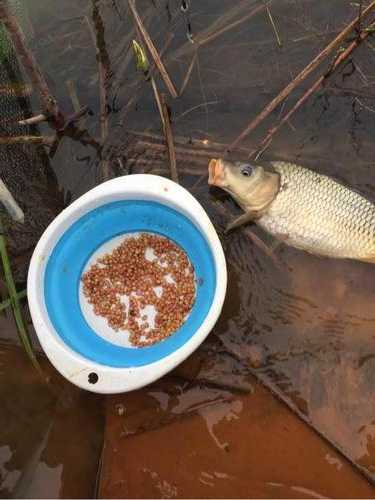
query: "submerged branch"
318, 83
103, 72
220, 26
75, 100
169, 139
28, 139
50, 106
188, 73
270, 17
300, 77
158, 100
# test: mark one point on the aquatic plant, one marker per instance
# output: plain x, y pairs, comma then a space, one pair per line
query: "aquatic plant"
14, 301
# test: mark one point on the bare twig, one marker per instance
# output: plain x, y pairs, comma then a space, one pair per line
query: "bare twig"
300, 77
28, 139
75, 117
200, 156
158, 167
123, 56
151, 48
75, 100
228, 27
220, 26
103, 72
318, 83
158, 100
274, 26
33, 120
347, 91
102, 82
367, 108
188, 73
359, 25
150, 73
193, 108
169, 139
50, 106
201, 147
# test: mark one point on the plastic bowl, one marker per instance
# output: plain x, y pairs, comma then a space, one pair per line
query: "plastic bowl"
80, 347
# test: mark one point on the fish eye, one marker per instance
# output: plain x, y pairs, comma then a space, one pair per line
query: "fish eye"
246, 170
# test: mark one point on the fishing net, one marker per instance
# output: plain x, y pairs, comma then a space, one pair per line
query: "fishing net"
24, 168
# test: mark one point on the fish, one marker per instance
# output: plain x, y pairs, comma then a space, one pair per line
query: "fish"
306, 210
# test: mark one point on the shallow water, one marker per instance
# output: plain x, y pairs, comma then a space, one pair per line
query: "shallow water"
302, 325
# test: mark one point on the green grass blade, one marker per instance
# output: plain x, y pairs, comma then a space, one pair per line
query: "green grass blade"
13, 297
7, 302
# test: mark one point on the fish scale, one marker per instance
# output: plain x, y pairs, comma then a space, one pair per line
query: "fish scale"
317, 214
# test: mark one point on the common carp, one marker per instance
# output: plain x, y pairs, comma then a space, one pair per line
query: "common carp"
302, 208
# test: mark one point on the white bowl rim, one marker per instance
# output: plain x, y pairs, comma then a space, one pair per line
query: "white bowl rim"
75, 367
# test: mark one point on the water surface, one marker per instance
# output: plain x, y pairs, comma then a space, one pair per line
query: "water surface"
304, 325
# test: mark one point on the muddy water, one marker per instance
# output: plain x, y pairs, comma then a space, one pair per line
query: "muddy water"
303, 325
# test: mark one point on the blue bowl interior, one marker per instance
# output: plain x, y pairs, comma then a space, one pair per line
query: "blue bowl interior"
73, 250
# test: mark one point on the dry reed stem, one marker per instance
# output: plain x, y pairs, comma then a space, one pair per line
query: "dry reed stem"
188, 73
206, 146
300, 78
318, 83
169, 139
28, 139
158, 100
142, 145
139, 79
103, 96
33, 120
75, 99
273, 26
50, 106
124, 62
218, 27
152, 49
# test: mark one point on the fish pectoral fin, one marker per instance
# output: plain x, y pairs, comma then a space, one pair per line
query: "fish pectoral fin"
239, 221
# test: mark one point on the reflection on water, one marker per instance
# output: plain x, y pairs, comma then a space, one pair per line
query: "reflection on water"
305, 326
228, 411
50, 441
315, 324
248, 446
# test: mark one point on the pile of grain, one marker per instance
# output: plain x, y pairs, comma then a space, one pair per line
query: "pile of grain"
143, 271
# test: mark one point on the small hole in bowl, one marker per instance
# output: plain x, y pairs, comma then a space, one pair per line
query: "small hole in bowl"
93, 378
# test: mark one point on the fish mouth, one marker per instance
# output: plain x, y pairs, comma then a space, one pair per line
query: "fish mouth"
216, 173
